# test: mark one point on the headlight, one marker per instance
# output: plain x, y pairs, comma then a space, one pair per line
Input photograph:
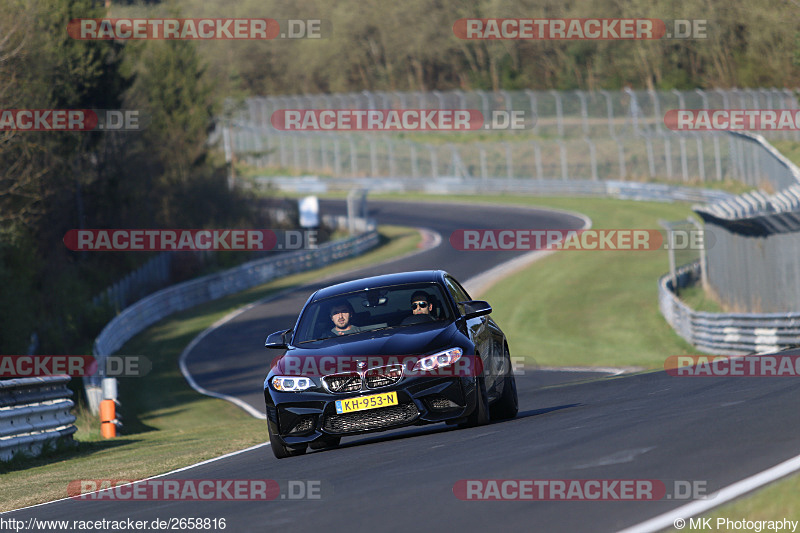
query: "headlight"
291, 384
438, 360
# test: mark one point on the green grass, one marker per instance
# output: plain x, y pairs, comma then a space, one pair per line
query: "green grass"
791, 149
167, 424
775, 502
700, 300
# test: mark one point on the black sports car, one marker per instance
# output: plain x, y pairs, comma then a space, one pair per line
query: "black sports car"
385, 352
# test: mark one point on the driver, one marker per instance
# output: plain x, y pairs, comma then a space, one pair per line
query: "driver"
421, 303
421, 308
340, 316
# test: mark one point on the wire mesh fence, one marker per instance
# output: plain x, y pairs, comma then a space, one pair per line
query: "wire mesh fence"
576, 135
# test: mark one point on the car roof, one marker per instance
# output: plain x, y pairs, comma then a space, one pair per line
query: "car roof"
419, 276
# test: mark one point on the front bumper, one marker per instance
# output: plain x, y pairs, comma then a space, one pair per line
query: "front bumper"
302, 418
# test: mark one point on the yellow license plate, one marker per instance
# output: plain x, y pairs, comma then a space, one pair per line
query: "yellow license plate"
362, 403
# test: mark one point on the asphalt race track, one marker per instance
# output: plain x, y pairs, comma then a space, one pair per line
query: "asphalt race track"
712, 431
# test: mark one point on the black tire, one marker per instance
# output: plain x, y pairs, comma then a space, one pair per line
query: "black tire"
325, 442
281, 451
507, 406
480, 415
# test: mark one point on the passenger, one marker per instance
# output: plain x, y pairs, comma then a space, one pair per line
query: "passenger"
341, 315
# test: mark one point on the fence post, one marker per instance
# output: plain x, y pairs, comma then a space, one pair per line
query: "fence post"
703, 269
701, 162
684, 162
657, 115
373, 158
559, 112
509, 162
309, 156
337, 156
668, 155
414, 162
537, 151
562, 148
434, 162
651, 161
439, 98
610, 112
295, 152
703, 96
392, 164
593, 157
484, 103
584, 112
534, 109
353, 157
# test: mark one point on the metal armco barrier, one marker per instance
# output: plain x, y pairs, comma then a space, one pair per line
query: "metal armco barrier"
163, 303
725, 333
33, 413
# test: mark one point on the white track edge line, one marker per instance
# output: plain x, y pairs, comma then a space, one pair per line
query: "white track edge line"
716, 499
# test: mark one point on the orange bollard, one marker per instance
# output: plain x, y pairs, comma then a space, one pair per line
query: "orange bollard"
107, 416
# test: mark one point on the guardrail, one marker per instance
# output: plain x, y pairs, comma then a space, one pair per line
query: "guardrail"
724, 333
626, 190
33, 413
163, 303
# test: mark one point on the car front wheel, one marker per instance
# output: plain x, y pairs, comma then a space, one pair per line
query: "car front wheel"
280, 450
480, 415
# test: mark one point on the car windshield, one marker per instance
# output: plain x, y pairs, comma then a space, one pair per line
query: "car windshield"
378, 308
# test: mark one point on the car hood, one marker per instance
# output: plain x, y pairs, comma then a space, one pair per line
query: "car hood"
375, 348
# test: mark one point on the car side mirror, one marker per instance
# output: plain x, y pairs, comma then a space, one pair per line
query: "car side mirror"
476, 308
278, 340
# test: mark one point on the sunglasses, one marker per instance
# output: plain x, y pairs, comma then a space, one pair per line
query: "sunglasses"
422, 305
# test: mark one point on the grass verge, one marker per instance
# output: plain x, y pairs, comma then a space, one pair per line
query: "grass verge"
173, 425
